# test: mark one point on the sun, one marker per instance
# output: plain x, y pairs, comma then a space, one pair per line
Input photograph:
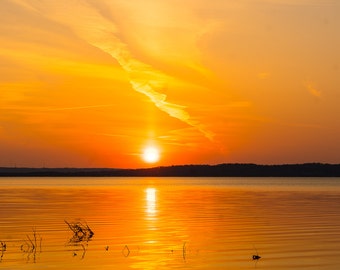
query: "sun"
150, 154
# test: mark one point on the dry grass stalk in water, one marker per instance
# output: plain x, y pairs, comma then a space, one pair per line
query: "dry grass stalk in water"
30, 246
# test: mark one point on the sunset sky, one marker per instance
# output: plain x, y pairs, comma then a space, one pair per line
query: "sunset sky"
93, 83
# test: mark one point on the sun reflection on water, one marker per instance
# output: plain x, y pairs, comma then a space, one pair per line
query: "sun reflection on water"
151, 202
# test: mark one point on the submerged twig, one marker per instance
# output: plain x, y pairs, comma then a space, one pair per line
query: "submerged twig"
184, 251
126, 251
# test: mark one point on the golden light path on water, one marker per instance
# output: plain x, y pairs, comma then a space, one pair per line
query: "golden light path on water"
151, 212
150, 203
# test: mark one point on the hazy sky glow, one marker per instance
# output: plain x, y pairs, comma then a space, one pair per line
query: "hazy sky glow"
92, 83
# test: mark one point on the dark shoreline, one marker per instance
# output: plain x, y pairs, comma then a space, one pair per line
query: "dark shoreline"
220, 170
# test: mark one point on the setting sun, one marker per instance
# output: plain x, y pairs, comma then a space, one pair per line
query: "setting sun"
150, 154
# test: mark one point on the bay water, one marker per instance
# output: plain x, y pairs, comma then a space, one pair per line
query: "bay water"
169, 223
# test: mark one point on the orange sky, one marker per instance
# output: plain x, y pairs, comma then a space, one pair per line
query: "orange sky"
89, 83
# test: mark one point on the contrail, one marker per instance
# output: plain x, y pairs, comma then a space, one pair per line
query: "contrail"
94, 28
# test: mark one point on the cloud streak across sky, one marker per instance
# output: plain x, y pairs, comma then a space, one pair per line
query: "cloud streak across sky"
89, 22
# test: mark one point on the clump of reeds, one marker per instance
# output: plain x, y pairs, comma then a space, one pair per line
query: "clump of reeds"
81, 232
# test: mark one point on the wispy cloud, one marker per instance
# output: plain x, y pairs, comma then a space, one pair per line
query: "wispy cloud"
46, 109
301, 2
263, 75
312, 90
101, 32
76, 107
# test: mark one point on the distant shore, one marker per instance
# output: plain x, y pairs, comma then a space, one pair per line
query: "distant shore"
220, 170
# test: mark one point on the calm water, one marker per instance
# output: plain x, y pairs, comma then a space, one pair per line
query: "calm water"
170, 223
